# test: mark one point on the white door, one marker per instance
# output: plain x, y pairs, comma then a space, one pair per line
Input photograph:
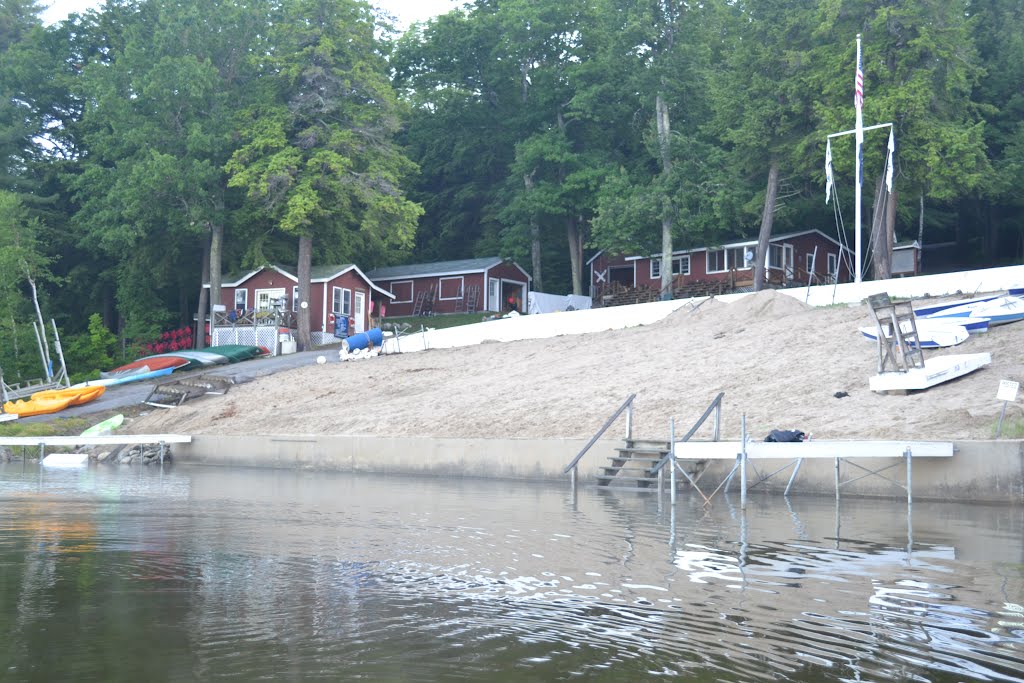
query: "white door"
359, 312
787, 256
265, 297
493, 294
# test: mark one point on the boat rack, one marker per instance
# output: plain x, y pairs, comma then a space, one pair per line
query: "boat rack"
173, 394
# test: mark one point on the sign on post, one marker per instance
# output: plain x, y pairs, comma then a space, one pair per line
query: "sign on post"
1007, 392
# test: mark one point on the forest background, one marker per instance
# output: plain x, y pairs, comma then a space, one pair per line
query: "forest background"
148, 147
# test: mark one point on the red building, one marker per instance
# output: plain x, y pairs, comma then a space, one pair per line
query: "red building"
793, 259
336, 292
465, 286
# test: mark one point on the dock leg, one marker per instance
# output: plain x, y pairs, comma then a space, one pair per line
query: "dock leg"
162, 446
792, 477
672, 459
837, 480
572, 479
910, 479
743, 465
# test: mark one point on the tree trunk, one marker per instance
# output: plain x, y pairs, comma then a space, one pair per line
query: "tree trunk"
881, 247
204, 297
538, 280
216, 248
764, 235
668, 210
575, 238
572, 231
305, 340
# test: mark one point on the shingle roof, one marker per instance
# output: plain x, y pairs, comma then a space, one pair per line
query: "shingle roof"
473, 265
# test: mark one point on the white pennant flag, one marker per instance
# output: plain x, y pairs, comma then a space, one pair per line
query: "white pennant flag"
888, 162
829, 182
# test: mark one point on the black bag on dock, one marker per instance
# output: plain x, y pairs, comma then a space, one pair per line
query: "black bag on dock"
784, 435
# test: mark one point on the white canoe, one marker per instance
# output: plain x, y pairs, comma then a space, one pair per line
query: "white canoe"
933, 333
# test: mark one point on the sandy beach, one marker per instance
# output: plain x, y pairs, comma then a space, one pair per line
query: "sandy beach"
779, 362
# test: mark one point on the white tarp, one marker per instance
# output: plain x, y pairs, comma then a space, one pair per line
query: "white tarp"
538, 302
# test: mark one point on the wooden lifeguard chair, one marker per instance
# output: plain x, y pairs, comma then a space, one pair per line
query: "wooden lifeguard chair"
899, 347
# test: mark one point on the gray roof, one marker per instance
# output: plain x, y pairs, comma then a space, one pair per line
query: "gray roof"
472, 265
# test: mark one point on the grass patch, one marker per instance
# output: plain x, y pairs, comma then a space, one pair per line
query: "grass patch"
58, 427
440, 321
1012, 429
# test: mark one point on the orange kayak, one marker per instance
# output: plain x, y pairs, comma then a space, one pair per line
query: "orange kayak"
78, 395
35, 406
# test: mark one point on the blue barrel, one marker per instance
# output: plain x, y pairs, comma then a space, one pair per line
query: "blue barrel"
363, 339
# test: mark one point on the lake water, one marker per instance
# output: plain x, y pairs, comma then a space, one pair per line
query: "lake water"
133, 574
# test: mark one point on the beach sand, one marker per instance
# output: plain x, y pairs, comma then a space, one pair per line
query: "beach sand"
779, 362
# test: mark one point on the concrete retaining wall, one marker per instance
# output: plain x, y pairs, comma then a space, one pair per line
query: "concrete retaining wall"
983, 471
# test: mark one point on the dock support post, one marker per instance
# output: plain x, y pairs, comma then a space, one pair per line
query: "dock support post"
572, 478
629, 422
792, 477
672, 458
910, 479
837, 480
42, 452
743, 464
161, 452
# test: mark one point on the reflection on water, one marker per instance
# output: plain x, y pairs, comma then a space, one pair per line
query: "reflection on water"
113, 574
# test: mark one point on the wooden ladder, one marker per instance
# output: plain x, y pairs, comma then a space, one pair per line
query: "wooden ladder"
424, 302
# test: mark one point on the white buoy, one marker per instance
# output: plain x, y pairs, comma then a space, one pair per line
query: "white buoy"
320, 360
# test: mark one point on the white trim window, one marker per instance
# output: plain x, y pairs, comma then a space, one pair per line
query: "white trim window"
241, 299
775, 256
680, 266
809, 258
450, 288
341, 301
738, 258
833, 266
716, 261
295, 299
400, 288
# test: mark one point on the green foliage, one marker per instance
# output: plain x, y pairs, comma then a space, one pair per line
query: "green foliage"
88, 354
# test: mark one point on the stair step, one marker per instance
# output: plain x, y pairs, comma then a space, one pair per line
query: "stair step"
650, 452
632, 481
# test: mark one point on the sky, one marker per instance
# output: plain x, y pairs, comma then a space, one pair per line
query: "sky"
407, 11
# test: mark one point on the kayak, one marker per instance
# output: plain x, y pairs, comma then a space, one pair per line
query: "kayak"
151, 362
42, 406
78, 395
124, 379
104, 427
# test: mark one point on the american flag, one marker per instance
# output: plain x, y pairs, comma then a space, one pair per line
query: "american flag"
858, 86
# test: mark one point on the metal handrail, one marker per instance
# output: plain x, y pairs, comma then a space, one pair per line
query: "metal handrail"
608, 423
717, 403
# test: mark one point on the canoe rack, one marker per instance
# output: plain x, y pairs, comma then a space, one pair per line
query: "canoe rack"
173, 394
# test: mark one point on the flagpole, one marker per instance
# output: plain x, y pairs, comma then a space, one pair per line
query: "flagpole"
858, 100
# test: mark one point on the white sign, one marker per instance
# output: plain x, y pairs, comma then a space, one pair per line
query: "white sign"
1007, 390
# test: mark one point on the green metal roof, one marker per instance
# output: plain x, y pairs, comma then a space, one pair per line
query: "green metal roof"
473, 265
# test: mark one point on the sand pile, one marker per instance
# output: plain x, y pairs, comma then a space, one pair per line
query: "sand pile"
778, 361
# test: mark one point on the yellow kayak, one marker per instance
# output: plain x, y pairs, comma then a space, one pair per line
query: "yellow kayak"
78, 395
35, 406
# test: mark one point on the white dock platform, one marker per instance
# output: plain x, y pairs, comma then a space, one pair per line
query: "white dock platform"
106, 440
728, 450
896, 452
935, 371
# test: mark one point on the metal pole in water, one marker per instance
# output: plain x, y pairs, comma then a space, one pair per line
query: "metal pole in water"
672, 458
837, 479
629, 422
910, 479
743, 463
